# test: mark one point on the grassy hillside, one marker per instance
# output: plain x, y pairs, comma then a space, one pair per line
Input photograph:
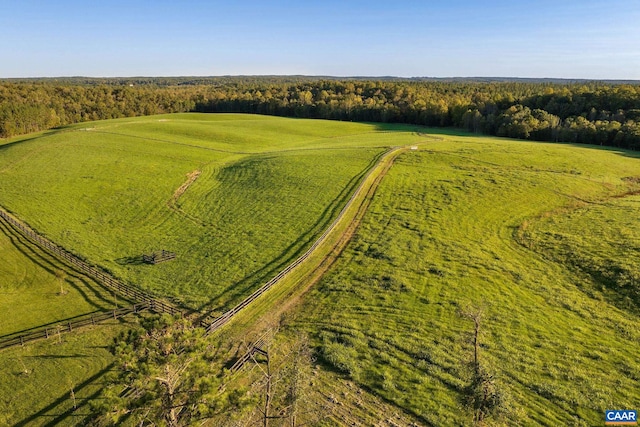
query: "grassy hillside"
37, 379
235, 196
36, 289
540, 237
599, 239
451, 227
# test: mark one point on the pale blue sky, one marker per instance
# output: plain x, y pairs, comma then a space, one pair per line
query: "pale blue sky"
562, 38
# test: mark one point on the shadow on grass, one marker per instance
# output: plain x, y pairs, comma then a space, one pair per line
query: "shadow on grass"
42, 134
56, 419
52, 324
131, 260
327, 366
451, 131
434, 132
46, 262
55, 357
234, 294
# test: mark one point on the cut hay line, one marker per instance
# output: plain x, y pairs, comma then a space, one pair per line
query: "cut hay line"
191, 177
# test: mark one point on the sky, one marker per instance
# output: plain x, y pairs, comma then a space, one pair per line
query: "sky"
584, 39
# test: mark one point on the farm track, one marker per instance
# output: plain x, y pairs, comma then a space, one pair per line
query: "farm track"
366, 187
168, 141
173, 202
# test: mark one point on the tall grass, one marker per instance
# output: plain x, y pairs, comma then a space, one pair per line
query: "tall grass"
443, 234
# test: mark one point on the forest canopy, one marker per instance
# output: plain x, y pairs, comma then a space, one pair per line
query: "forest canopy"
604, 113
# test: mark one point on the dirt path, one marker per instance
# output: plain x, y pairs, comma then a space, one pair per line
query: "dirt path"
173, 202
367, 187
327, 262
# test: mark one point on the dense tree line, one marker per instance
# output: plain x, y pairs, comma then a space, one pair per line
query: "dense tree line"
581, 112
30, 107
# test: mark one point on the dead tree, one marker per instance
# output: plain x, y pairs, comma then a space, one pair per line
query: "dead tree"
481, 395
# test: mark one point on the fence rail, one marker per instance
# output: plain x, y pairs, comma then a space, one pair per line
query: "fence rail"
106, 279
158, 257
256, 347
65, 327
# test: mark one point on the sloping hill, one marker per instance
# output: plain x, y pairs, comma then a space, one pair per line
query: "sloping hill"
236, 197
444, 236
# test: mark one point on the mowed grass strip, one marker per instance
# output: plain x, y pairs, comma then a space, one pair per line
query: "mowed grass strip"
442, 235
266, 187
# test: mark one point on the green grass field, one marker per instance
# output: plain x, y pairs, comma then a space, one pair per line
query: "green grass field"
37, 379
543, 237
607, 253
474, 221
111, 191
36, 289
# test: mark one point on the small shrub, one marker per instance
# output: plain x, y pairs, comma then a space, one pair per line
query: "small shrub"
484, 397
374, 252
436, 272
341, 357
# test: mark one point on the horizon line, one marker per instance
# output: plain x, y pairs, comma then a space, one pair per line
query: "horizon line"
320, 76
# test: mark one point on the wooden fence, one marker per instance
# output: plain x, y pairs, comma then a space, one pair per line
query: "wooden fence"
46, 332
210, 324
256, 347
219, 322
158, 256
106, 279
